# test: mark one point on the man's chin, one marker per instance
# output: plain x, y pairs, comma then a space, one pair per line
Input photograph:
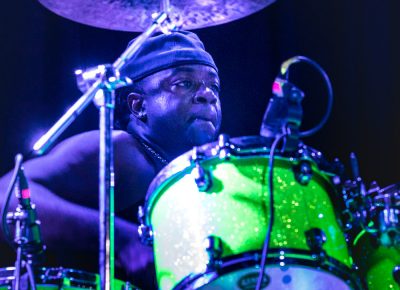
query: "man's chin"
201, 133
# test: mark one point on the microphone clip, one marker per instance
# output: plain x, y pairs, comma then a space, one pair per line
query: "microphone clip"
284, 113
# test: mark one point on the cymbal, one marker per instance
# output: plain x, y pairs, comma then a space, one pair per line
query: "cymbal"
136, 15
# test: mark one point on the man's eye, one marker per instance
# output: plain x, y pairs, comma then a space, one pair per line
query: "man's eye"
185, 84
216, 88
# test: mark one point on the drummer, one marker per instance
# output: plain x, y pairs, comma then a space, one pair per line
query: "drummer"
172, 105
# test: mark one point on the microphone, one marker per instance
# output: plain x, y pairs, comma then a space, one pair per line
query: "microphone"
30, 225
284, 112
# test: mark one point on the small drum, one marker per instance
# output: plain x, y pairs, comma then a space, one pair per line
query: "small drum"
207, 214
379, 265
376, 249
59, 278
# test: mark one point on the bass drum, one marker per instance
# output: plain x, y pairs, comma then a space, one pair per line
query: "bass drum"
59, 278
207, 213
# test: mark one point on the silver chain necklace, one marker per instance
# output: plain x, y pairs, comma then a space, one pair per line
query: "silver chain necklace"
153, 152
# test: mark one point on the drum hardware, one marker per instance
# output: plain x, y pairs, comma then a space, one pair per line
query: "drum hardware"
316, 238
388, 208
201, 176
396, 274
240, 272
378, 212
145, 231
60, 278
213, 247
375, 236
283, 114
356, 198
86, 78
354, 214
129, 286
303, 171
70, 277
27, 235
224, 145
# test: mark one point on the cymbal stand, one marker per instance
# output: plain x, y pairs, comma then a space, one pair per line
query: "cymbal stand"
101, 91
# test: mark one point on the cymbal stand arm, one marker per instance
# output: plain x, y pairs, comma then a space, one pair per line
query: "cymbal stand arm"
46, 141
131, 50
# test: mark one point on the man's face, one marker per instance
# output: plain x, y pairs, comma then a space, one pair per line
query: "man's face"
183, 107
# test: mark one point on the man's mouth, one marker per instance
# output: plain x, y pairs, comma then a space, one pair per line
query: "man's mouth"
204, 118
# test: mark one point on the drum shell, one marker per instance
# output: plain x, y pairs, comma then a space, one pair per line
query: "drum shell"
236, 210
375, 262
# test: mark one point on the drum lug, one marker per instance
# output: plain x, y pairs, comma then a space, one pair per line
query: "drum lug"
213, 247
145, 232
224, 151
316, 238
303, 172
146, 235
202, 178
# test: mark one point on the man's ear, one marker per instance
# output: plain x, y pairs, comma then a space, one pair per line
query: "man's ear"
136, 106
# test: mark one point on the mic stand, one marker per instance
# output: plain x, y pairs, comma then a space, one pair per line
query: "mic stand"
27, 241
102, 92
24, 259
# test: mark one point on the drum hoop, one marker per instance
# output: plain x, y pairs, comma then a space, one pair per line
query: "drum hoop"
78, 279
254, 146
252, 258
55, 275
183, 161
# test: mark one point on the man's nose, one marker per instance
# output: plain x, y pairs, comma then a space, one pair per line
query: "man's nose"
205, 95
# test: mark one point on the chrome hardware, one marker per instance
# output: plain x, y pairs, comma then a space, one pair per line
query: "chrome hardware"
129, 286
197, 155
224, 146
86, 78
303, 171
388, 219
316, 238
396, 274
145, 232
201, 177
213, 247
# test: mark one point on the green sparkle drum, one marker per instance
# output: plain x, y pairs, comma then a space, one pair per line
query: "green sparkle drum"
208, 212
59, 278
378, 264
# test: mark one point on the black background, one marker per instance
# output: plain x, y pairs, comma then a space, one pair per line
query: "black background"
356, 42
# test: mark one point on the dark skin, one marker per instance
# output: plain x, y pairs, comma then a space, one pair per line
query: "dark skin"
184, 110
181, 109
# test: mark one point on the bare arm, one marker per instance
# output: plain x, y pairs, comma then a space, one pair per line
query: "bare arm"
64, 188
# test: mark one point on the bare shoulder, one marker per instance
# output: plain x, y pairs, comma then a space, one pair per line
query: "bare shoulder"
128, 152
133, 170
71, 170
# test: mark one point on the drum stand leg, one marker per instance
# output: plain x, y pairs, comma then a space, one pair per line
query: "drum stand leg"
20, 222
